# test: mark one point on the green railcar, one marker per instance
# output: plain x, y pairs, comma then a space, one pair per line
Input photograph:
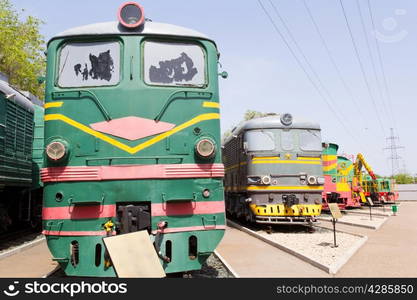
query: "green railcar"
19, 181
132, 139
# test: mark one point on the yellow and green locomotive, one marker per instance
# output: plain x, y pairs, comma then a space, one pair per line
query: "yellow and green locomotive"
274, 170
132, 142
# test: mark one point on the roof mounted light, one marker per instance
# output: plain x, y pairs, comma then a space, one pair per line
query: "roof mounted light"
286, 119
131, 15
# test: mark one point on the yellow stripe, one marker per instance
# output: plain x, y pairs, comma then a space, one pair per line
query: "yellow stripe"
53, 104
342, 187
211, 104
131, 150
329, 157
286, 162
328, 168
309, 158
274, 187
265, 157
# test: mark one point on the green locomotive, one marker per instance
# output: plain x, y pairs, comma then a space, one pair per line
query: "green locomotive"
132, 139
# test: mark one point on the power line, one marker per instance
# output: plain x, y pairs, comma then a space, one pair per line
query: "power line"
333, 61
372, 60
361, 66
387, 91
302, 67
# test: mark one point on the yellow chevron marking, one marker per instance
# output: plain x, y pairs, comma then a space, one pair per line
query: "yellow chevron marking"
328, 168
345, 172
53, 104
131, 150
329, 157
275, 187
211, 104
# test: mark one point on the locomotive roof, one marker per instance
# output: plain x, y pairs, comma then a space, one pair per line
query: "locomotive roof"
149, 28
16, 95
273, 122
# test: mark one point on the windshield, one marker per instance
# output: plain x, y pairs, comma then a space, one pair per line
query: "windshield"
260, 140
89, 64
174, 64
310, 140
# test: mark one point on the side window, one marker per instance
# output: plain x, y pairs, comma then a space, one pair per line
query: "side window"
89, 64
174, 64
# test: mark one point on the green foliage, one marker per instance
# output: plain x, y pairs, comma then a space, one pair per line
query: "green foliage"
21, 50
404, 179
253, 114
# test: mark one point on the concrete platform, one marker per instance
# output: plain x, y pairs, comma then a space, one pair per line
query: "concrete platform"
390, 251
34, 262
250, 257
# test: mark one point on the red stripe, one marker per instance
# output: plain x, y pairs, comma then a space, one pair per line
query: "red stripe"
329, 162
126, 172
191, 228
76, 233
187, 208
79, 212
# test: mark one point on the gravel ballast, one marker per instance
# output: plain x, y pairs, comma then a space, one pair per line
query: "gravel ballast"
317, 246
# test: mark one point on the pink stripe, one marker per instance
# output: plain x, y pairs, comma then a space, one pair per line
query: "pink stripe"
98, 173
76, 233
329, 162
79, 212
191, 228
187, 208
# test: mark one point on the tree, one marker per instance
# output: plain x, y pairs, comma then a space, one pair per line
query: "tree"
21, 50
403, 179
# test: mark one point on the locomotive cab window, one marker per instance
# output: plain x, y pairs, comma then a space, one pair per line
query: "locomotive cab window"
174, 64
310, 140
260, 140
89, 64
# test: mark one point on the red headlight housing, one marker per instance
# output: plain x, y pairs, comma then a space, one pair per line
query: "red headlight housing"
131, 15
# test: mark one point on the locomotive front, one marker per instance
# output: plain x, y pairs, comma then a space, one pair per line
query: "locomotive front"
132, 143
280, 171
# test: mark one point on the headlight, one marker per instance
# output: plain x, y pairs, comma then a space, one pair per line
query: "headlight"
131, 15
56, 150
266, 179
311, 180
320, 180
286, 119
205, 148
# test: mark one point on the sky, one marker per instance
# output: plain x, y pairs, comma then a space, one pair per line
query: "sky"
355, 104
